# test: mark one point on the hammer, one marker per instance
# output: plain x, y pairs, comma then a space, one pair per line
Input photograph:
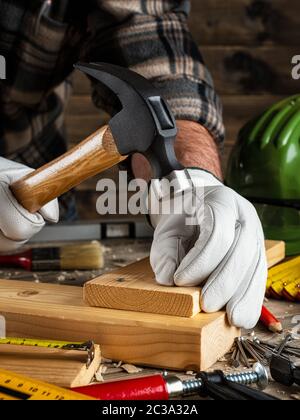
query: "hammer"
144, 125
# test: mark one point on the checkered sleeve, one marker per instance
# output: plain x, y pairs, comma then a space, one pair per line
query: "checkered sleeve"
152, 38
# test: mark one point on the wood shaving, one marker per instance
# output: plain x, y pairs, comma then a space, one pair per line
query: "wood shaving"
296, 397
99, 375
104, 360
118, 365
113, 370
131, 369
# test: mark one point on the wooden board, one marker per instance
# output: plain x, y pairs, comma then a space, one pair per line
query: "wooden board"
168, 342
133, 288
246, 22
58, 367
275, 252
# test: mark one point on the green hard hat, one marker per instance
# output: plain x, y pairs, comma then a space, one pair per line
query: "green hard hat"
265, 168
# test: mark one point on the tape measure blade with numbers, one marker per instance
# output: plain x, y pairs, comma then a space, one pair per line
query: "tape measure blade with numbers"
88, 346
17, 387
38, 343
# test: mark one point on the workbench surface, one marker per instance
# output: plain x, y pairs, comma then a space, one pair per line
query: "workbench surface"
119, 253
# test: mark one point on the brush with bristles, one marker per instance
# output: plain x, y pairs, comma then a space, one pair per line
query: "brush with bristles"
86, 256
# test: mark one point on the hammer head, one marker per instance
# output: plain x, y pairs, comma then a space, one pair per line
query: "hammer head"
145, 123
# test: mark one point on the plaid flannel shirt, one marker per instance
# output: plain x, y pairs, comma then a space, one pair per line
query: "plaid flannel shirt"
148, 36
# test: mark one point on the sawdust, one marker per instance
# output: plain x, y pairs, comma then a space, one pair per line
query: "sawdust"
113, 370
131, 369
101, 371
104, 360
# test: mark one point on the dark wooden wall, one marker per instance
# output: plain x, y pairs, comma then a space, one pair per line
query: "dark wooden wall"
248, 46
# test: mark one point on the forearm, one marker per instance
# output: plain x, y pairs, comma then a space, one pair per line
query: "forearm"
194, 147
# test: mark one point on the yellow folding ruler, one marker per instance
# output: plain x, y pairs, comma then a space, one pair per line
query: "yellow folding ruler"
17, 387
284, 280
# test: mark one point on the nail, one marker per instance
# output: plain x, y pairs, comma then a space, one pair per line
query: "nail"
243, 354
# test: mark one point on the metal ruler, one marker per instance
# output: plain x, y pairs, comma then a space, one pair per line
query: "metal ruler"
17, 387
284, 280
88, 346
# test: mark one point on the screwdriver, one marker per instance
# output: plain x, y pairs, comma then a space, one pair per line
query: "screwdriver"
162, 388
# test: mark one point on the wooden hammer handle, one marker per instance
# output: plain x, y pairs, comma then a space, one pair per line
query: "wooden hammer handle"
94, 155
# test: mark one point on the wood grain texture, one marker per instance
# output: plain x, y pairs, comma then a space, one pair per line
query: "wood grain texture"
245, 22
133, 288
242, 70
168, 342
275, 252
58, 367
94, 155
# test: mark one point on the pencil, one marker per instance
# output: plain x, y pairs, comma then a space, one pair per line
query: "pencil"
270, 321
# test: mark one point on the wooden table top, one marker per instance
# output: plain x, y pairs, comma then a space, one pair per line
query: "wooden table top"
120, 253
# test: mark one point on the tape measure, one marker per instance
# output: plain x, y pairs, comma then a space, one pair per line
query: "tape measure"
284, 280
88, 346
42, 343
17, 387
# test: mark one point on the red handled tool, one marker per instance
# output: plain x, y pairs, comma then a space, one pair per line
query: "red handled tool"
217, 385
23, 260
149, 388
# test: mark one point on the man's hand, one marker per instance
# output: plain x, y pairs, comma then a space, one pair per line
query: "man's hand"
224, 251
17, 225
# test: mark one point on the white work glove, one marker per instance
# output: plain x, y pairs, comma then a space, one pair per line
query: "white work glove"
223, 252
17, 225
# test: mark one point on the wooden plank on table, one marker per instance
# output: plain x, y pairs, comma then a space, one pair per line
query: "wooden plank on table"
275, 252
63, 368
245, 22
133, 288
168, 342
